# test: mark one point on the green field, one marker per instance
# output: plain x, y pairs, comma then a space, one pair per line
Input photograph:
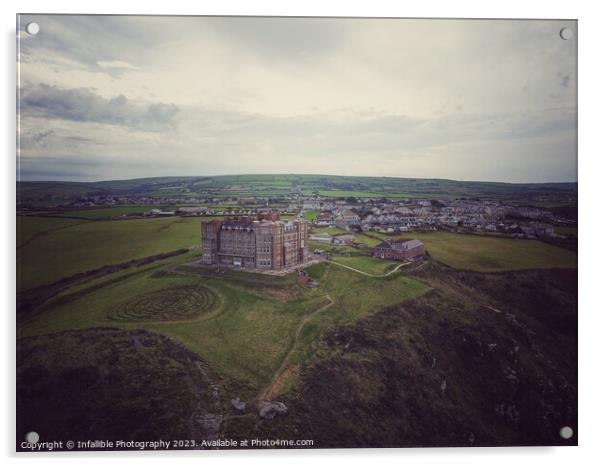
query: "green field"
335, 248
566, 230
310, 215
80, 247
491, 254
30, 227
369, 240
251, 329
249, 326
366, 264
40, 192
332, 231
112, 212
339, 193
374, 194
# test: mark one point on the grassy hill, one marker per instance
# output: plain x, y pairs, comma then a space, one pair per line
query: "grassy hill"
480, 360
280, 185
109, 384
493, 254
64, 247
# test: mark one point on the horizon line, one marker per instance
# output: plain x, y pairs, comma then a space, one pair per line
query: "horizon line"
296, 174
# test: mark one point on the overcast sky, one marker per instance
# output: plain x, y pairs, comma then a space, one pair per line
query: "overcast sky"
128, 97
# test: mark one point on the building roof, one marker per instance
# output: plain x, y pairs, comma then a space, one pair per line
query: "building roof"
343, 237
400, 244
237, 223
413, 243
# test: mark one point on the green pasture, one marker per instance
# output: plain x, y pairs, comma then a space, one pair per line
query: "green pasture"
492, 254
244, 325
366, 264
566, 230
310, 215
29, 227
332, 231
112, 212
253, 323
80, 247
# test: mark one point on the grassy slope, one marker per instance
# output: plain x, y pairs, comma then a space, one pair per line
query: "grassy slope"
370, 241
566, 230
249, 336
436, 371
366, 264
93, 244
490, 253
330, 230
277, 185
108, 384
112, 212
354, 296
28, 227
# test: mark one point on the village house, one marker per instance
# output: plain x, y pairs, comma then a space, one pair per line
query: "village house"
347, 218
321, 238
343, 239
324, 219
401, 250
311, 204
536, 229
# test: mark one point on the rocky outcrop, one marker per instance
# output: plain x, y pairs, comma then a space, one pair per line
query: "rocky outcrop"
238, 405
271, 409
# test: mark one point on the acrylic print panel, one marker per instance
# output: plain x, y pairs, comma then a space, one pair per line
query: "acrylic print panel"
250, 232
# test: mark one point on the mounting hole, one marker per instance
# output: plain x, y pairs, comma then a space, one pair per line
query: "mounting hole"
566, 33
32, 28
566, 432
32, 437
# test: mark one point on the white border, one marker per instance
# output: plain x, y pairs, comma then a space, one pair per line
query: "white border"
590, 80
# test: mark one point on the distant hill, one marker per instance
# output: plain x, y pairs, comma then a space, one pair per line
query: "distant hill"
281, 185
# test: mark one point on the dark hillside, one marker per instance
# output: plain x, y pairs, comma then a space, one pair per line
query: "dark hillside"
112, 384
483, 359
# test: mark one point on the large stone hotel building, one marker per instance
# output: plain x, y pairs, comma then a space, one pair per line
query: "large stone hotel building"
266, 243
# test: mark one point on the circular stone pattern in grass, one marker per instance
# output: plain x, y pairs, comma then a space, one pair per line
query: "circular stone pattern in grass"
180, 303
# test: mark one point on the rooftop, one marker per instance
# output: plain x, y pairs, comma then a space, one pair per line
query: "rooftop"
400, 244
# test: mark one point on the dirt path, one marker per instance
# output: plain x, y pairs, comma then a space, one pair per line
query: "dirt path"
283, 372
370, 274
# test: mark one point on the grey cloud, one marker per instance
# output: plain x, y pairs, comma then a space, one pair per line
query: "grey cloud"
45, 140
60, 168
90, 39
355, 132
262, 94
38, 137
304, 38
84, 105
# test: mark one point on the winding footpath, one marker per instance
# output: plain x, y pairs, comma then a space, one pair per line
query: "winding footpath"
273, 389
370, 274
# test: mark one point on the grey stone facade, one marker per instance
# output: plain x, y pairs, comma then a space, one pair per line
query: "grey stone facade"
255, 244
